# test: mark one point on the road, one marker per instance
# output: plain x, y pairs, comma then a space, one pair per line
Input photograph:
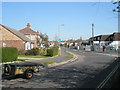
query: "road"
86, 72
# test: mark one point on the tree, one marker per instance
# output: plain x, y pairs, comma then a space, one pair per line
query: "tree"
44, 39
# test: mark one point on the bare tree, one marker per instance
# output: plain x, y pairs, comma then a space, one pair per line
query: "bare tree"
44, 39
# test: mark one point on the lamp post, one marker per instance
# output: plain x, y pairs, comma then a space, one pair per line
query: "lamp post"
59, 37
59, 31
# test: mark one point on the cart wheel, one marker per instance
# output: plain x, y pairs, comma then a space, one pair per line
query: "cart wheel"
7, 68
28, 74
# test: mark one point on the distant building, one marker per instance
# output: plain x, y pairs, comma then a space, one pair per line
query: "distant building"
114, 40
107, 40
13, 38
32, 35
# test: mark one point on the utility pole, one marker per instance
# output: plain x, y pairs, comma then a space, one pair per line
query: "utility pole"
117, 9
92, 47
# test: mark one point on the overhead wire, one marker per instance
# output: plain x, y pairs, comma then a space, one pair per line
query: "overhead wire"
96, 13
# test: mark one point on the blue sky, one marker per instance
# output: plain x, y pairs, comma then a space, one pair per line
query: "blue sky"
77, 18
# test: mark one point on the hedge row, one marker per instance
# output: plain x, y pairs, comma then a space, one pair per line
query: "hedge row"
9, 54
52, 52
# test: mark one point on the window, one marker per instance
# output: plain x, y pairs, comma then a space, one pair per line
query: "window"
4, 44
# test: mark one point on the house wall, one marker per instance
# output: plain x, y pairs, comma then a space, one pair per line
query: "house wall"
115, 44
33, 38
11, 40
19, 44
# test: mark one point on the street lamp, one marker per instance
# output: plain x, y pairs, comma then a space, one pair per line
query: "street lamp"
59, 37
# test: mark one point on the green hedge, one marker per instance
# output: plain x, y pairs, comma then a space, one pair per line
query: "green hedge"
52, 52
9, 54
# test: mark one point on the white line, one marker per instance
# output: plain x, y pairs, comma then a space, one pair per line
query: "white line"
108, 77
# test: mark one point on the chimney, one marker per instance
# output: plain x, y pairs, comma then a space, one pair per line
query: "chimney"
28, 24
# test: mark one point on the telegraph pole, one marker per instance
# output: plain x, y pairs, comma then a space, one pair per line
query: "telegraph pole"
92, 47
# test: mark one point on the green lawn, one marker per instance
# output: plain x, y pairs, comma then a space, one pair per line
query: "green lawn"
38, 56
70, 55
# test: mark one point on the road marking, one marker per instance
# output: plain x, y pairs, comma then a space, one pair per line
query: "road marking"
107, 78
108, 54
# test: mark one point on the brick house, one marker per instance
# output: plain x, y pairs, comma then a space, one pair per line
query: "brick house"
13, 38
32, 35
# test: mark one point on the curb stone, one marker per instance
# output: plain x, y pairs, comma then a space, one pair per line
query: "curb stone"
64, 62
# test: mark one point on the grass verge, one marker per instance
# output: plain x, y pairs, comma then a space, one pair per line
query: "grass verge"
46, 63
70, 55
38, 56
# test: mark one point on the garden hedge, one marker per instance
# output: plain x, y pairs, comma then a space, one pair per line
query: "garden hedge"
52, 52
9, 54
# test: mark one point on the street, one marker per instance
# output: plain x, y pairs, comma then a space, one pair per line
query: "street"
86, 72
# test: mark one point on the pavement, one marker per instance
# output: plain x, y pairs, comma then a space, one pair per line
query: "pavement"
88, 71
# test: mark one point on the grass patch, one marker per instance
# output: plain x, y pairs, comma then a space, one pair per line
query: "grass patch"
46, 63
37, 56
70, 54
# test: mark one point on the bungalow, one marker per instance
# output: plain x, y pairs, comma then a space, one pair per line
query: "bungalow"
112, 40
99, 40
13, 38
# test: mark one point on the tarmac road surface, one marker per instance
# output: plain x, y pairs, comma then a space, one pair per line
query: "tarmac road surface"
86, 72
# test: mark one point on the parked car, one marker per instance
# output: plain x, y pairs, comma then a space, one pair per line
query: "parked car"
26, 69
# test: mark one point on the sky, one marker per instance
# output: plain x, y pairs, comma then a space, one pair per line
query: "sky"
48, 17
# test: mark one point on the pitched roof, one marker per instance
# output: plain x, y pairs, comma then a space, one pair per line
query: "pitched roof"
117, 36
28, 30
104, 37
18, 34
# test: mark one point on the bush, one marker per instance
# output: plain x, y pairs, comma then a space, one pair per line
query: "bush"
21, 52
42, 51
52, 52
9, 54
34, 51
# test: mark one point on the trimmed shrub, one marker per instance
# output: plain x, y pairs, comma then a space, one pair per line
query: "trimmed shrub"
52, 52
9, 54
